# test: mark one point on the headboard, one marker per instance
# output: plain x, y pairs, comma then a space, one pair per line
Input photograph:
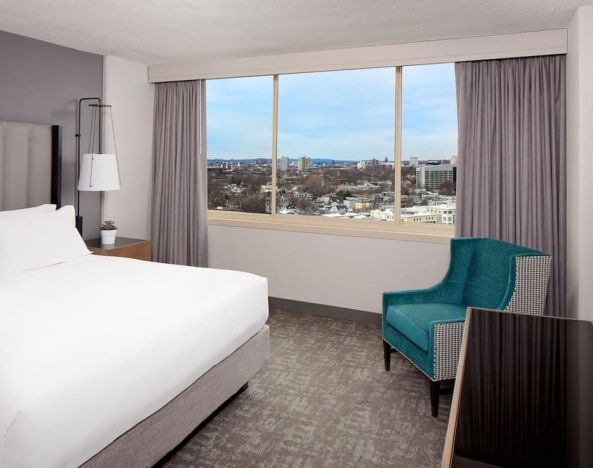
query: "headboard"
30, 164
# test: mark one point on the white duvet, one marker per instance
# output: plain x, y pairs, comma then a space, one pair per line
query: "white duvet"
89, 348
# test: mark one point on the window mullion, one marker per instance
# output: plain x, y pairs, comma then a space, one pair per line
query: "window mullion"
274, 141
397, 194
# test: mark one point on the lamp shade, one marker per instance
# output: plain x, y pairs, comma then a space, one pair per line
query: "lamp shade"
98, 173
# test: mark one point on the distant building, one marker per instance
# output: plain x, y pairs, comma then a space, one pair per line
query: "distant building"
373, 163
432, 214
446, 212
413, 161
357, 204
304, 163
431, 178
419, 214
361, 165
284, 163
362, 187
454, 160
386, 214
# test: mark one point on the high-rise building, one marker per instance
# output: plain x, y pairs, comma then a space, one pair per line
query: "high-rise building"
431, 178
454, 159
373, 162
413, 161
304, 163
284, 163
361, 165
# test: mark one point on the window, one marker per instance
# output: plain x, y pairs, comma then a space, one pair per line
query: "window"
336, 143
239, 144
326, 145
429, 144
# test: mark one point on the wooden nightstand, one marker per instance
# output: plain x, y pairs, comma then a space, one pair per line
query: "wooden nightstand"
123, 247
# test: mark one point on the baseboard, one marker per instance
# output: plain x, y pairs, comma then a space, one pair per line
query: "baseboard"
340, 313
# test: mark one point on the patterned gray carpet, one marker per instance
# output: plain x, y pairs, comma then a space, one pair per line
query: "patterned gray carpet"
324, 400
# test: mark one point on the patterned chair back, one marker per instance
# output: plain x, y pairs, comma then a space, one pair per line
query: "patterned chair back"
494, 265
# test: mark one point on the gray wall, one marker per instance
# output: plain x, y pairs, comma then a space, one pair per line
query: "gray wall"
41, 82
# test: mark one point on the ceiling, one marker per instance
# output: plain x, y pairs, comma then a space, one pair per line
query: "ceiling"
165, 31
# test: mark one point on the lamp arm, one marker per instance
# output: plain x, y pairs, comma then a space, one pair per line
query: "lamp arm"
77, 135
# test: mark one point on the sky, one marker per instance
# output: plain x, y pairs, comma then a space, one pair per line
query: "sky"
348, 115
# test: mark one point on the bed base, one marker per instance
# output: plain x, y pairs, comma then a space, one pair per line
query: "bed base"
163, 461
159, 434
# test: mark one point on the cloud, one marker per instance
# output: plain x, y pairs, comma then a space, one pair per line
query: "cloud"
429, 111
341, 115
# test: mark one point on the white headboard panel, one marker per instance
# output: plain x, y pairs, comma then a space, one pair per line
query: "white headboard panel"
29, 175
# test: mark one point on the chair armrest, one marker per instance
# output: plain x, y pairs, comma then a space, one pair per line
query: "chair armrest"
528, 284
441, 292
445, 341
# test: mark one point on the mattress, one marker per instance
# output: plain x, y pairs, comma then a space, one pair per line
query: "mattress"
90, 348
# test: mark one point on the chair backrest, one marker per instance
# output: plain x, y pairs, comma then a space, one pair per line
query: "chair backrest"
488, 269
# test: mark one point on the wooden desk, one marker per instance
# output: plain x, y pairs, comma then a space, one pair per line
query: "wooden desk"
524, 393
123, 247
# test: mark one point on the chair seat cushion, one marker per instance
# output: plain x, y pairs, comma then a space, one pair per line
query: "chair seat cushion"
413, 320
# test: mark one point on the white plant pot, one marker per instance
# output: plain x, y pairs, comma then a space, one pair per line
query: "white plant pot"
108, 237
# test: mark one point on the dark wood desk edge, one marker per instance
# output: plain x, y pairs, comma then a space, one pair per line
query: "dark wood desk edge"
449, 447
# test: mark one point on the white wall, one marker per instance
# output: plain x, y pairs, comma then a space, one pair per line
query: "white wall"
341, 271
132, 97
579, 77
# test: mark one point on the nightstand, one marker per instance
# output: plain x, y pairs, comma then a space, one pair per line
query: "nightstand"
123, 247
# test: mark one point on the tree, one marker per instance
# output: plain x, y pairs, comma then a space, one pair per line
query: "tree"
252, 203
447, 188
314, 185
343, 194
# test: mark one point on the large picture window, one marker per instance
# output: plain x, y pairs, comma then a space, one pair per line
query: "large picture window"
239, 144
378, 145
336, 143
429, 144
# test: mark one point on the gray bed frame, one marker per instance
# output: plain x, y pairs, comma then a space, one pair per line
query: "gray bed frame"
30, 175
150, 440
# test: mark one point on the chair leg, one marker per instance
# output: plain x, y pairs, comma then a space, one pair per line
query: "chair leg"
435, 392
387, 355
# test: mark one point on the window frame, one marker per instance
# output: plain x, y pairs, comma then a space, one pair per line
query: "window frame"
345, 227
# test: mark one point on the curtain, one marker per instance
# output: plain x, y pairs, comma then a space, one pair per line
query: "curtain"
511, 181
180, 194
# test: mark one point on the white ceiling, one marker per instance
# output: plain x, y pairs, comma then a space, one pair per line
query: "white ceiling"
161, 31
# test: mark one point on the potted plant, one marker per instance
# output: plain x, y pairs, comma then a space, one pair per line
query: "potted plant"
108, 232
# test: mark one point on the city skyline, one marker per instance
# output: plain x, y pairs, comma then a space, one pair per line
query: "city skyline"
322, 160
316, 120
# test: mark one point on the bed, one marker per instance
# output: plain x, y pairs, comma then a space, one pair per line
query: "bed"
108, 361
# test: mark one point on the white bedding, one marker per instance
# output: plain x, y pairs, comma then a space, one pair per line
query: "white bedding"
91, 347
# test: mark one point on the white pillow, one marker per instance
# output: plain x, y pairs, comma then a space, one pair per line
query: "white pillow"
28, 211
31, 242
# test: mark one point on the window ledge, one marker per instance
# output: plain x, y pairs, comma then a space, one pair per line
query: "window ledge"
336, 227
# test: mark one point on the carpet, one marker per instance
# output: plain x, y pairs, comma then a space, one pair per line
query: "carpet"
323, 400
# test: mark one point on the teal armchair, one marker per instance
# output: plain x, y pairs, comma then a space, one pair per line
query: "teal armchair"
426, 326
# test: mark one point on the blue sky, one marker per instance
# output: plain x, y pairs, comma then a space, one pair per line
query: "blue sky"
339, 115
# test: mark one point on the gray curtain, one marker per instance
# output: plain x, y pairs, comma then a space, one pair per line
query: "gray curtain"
511, 182
180, 193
